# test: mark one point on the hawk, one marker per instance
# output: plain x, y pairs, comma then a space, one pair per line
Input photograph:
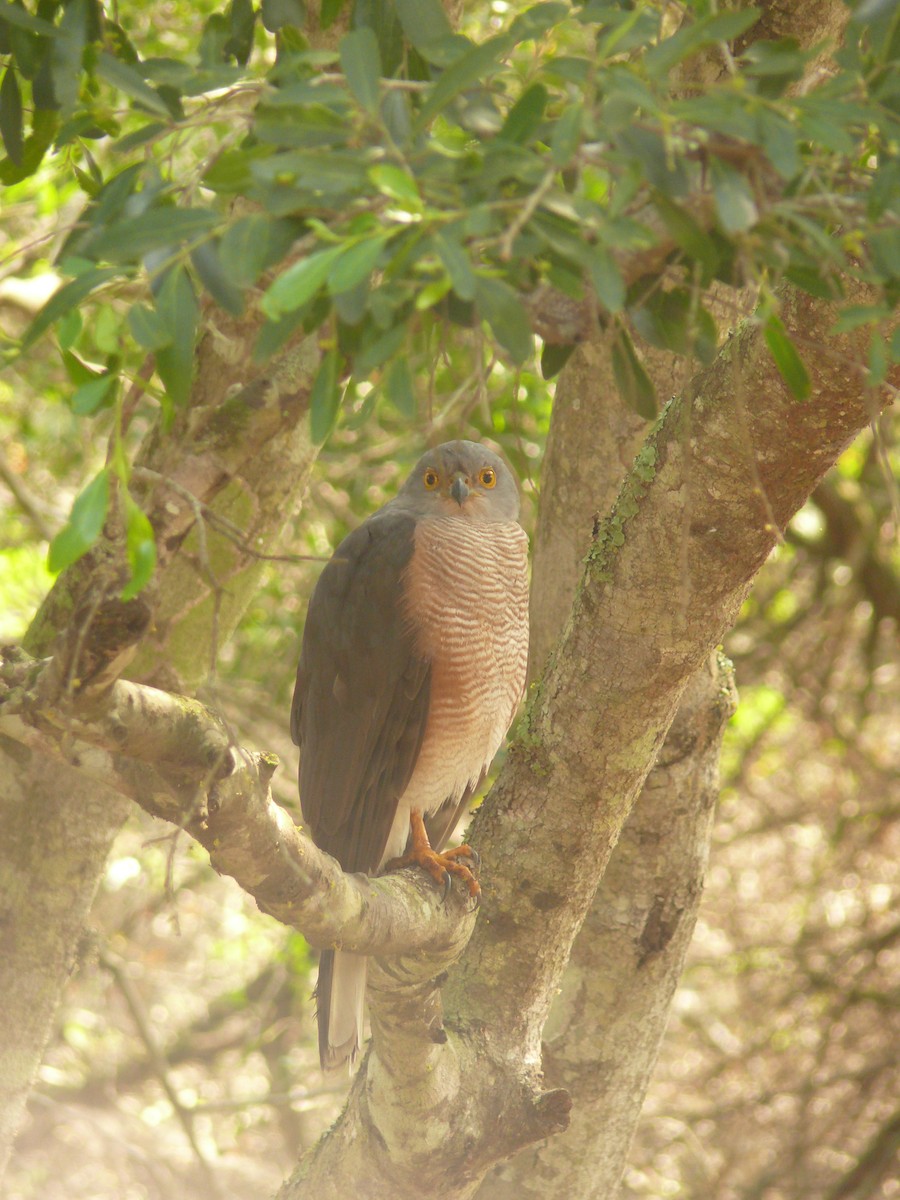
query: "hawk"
411, 669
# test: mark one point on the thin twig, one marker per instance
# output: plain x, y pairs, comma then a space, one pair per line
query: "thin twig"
135, 1006
29, 504
219, 523
525, 214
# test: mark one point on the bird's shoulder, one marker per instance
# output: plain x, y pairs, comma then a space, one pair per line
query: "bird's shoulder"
372, 556
356, 630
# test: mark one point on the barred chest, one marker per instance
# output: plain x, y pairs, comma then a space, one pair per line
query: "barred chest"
467, 596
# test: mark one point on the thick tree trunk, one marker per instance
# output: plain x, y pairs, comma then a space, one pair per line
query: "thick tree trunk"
604, 1030
244, 457
605, 1027
664, 579
49, 871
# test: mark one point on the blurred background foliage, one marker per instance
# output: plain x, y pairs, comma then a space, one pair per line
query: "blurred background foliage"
185, 1043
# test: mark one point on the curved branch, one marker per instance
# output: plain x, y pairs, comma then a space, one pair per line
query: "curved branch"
173, 757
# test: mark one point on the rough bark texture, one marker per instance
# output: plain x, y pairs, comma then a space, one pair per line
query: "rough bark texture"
606, 1025
173, 757
592, 442
236, 455
664, 579
604, 1030
51, 878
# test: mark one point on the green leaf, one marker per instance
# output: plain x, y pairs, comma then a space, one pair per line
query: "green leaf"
779, 140
299, 283
325, 398
398, 387
106, 329
278, 13
812, 279
878, 361
213, 41
140, 548
328, 13
157, 229
308, 174
374, 353
398, 184
525, 116
455, 258
44, 125
622, 30
11, 125
355, 265
537, 20
68, 329
17, 16
129, 80
205, 259
147, 328
672, 320
362, 413
632, 380
351, 306
361, 64
177, 309
66, 52
606, 278
855, 315
84, 525
668, 173
501, 307
717, 27
475, 66
432, 293
735, 203
78, 371
67, 298
274, 334
251, 245
241, 19
91, 396
396, 113
554, 358
423, 21
784, 354
773, 65
567, 135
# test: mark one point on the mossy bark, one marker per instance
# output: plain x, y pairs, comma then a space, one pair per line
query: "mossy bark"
242, 450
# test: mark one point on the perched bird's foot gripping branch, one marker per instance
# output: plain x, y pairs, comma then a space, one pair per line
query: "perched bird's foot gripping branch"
441, 867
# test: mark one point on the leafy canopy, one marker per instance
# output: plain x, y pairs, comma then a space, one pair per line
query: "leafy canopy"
413, 185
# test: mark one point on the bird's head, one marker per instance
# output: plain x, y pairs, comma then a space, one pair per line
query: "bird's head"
462, 479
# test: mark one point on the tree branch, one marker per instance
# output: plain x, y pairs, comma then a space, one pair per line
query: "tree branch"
220, 795
665, 578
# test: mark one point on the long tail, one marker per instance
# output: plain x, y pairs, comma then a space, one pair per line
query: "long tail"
340, 993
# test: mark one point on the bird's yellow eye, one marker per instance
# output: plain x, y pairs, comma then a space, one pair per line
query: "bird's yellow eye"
487, 477
431, 479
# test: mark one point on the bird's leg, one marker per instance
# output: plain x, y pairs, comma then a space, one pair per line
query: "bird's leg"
439, 866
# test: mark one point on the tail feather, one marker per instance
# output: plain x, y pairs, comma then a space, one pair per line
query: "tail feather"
340, 994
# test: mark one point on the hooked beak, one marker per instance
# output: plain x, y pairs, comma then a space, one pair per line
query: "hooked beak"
459, 489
